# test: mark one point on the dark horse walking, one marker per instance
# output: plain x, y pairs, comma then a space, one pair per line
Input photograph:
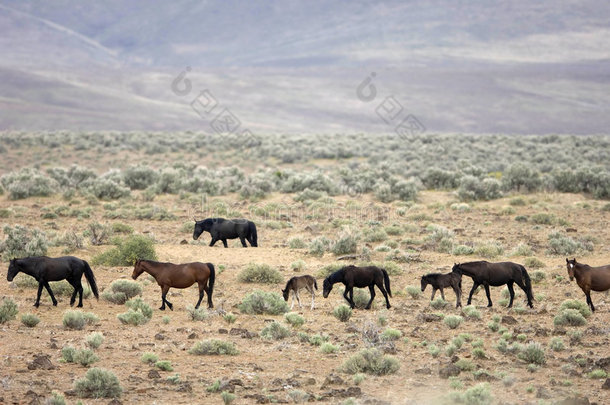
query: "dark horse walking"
439, 281
45, 269
497, 274
223, 229
178, 276
353, 276
589, 278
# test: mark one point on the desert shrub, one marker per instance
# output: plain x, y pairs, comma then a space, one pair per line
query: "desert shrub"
521, 177
434, 350
296, 243
30, 320
229, 318
564, 245
317, 340
28, 182
543, 218
197, 314
596, 374
471, 312
478, 353
405, 190
8, 310
262, 302
98, 383
120, 291
138, 177
465, 365
375, 235
462, 250
479, 394
533, 353
489, 249
328, 348
275, 331
74, 320
391, 334
473, 188
537, 276
119, 227
371, 361
227, 397
533, 262
56, 398
127, 251
383, 192
493, 326
23, 242
462, 207
164, 365
522, 249
214, 347
580, 306
439, 238
394, 230
346, 244
71, 240
139, 312
342, 312
298, 265
556, 344
294, 319
107, 189
318, 246
97, 233
517, 202
569, 317
414, 292
439, 179
438, 303
84, 357
149, 358
260, 273
453, 321
94, 340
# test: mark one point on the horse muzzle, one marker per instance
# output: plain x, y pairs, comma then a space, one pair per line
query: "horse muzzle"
571, 278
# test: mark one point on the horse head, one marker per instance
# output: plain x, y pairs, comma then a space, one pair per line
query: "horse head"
285, 293
571, 264
327, 287
13, 269
424, 282
137, 269
201, 226
456, 268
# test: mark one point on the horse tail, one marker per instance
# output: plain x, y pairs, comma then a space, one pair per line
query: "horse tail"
386, 281
91, 280
528, 283
252, 229
211, 279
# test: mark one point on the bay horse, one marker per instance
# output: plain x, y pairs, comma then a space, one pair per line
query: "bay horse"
589, 278
352, 276
178, 276
45, 269
439, 281
497, 274
297, 283
223, 229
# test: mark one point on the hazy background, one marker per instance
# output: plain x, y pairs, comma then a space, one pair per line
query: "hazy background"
293, 66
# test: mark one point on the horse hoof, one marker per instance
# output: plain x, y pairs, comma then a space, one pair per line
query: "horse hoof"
162, 309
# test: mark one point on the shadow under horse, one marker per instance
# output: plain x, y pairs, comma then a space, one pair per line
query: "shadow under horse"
45, 269
353, 276
497, 274
589, 278
223, 229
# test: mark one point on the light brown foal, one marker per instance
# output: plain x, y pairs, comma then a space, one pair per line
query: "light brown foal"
589, 278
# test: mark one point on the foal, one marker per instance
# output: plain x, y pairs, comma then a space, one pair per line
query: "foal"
297, 283
589, 278
439, 281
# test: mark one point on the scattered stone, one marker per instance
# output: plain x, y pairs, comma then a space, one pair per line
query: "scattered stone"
115, 402
571, 230
342, 393
576, 400
33, 398
159, 336
223, 331
184, 386
542, 331
332, 379
243, 333
425, 371
154, 374
450, 370
41, 362
229, 385
192, 336
484, 376
261, 399
184, 242
603, 363
543, 393
310, 381
509, 320
606, 384
425, 317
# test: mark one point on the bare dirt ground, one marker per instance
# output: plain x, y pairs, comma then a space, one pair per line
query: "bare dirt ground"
285, 370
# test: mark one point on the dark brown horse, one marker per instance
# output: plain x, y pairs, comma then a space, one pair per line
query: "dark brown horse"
178, 276
589, 278
297, 283
352, 276
439, 281
45, 269
497, 274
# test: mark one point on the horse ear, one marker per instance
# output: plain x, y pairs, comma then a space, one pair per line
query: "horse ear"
567, 261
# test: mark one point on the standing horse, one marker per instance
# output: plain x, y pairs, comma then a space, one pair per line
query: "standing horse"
589, 278
178, 276
45, 269
352, 276
297, 283
497, 274
439, 281
223, 229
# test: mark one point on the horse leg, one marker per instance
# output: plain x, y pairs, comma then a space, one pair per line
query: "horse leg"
164, 290
48, 287
372, 290
589, 301
345, 295
73, 297
442, 294
214, 240
385, 295
37, 303
458, 296
296, 292
433, 293
292, 302
224, 242
489, 304
313, 294
522, 286
201, 286
243, 241
512, 294
78, 288
474, 287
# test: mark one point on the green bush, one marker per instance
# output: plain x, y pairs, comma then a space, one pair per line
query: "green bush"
30, 320
56, 399
120, 291
371, 361
275, 331
214, 347
164, 365
139, 312
98, 383
261, 302
298, 265
453, 321
438, 303
569, 317
522, 249
149, 357
543, 219
197, 314
296, 243
97, 233
260, 273
28, 182
489, 250
84, 357
478, 353
319, 246
533, 353
471, 312
465, 365
493, 326
107, 189
342, 313
119, 227
414, 292
8, 310
596, 374
227, 397
138, 177
127, 251
391, 334
533, 262
564, 245
77, 319
479, 394
462, 250
556, 344
346, 244
294, 319
580, 306
229, 318
328, 348
473, 188
23, 242
94, 340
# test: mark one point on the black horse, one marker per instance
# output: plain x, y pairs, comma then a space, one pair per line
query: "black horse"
353, 276
497, 274
45, 269
223, 229
439, 281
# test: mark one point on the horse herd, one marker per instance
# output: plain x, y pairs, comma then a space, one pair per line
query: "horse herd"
45, 269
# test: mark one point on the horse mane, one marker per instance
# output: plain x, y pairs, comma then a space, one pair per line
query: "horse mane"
479, 262
289, 281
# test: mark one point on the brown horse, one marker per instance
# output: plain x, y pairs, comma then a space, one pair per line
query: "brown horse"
178, 276
297, 283
589, 278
